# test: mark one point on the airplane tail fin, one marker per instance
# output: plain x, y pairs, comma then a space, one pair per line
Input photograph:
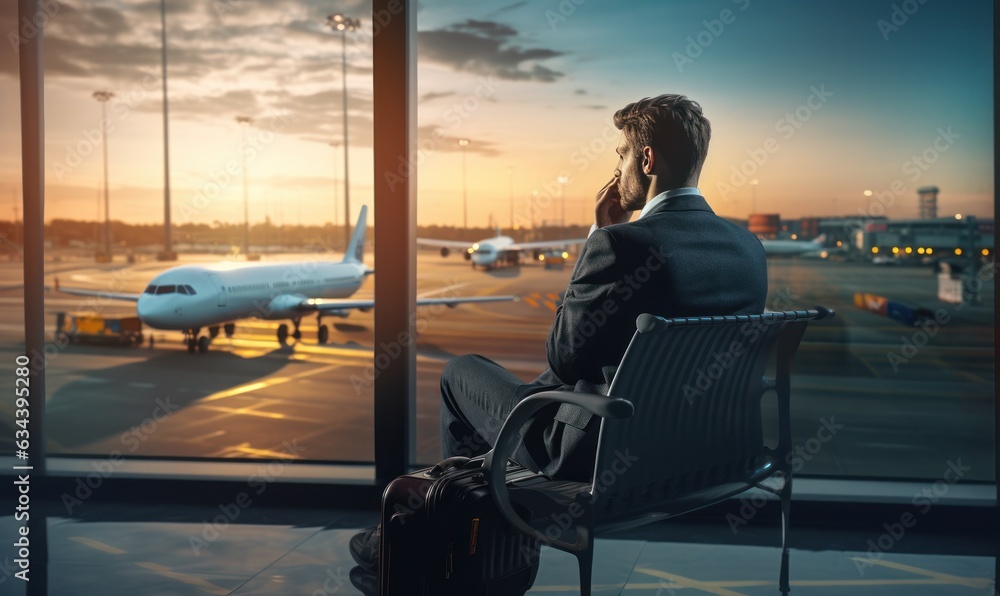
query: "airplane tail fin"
356, 248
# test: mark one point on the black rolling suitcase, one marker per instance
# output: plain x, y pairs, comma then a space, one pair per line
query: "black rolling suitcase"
442, 535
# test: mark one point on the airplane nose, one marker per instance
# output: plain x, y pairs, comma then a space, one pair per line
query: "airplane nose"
151, 312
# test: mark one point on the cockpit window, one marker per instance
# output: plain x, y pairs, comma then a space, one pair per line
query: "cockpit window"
190, 290
166, 289
182, 290
150, 289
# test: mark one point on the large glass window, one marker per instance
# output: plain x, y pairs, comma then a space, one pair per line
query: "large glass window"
853, 138
227, 359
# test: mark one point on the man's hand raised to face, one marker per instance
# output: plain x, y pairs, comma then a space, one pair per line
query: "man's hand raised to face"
609, 209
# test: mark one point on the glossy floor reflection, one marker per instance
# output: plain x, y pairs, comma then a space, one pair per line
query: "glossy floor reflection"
137, 550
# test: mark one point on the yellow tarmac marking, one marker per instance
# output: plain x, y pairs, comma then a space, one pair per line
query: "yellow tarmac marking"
552, 296
245, 448
263, 384
939, 577
550, 305
684, 582
205, 586
97, 545
531, 302
677, 582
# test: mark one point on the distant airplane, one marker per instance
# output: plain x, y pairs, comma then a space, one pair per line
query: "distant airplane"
492, 252
793, 247
190, 297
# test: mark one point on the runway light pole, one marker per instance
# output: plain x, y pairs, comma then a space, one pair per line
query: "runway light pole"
335, 182
563, 181
463, 143
339, 22
245, 122
168, 245
103, 97
510, 180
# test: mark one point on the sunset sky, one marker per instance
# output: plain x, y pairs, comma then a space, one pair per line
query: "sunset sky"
531, 85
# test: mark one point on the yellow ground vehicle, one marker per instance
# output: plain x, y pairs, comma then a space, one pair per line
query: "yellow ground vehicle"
89, 327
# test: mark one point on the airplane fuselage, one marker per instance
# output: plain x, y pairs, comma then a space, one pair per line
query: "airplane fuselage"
194, 296
488, 252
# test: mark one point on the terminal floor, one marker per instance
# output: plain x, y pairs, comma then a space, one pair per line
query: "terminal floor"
136, 550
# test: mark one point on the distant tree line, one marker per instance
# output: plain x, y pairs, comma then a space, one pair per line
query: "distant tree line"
64, 233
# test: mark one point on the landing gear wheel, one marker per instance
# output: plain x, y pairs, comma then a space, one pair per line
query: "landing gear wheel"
229, 328
203, 344
324, 334
283, 333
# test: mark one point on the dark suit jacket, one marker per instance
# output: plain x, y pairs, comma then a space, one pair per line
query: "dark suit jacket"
680, 259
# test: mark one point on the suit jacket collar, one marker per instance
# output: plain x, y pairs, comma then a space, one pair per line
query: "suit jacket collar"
692, 201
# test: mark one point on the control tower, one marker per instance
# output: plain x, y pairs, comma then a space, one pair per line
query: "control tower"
927, 197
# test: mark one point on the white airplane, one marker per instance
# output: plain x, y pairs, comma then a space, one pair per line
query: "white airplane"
495, 251
190, 297
788, 248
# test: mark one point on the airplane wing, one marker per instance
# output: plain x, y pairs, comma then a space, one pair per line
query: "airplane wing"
335, 304
547, 244
453, 244
95, 293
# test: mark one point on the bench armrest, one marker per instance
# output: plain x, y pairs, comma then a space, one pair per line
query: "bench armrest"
495, 462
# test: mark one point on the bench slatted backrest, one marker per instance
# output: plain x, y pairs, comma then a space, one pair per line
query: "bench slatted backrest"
696, 384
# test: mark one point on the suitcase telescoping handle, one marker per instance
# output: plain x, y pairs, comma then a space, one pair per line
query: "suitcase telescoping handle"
443, 466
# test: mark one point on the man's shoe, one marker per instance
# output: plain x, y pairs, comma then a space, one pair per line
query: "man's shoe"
364, 548
365, 581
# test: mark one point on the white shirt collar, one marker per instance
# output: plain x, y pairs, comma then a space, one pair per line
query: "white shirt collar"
663, 196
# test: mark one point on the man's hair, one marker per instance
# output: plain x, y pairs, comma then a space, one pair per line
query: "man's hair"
673, 126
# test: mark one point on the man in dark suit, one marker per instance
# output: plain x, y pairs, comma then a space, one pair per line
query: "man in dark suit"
676, 259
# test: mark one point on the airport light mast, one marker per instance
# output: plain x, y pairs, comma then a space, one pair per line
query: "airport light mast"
103, 97
335, 181
245, 122
339, 22
463, 143
168, 245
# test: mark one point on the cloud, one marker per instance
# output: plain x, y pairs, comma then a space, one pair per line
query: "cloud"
485, 48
